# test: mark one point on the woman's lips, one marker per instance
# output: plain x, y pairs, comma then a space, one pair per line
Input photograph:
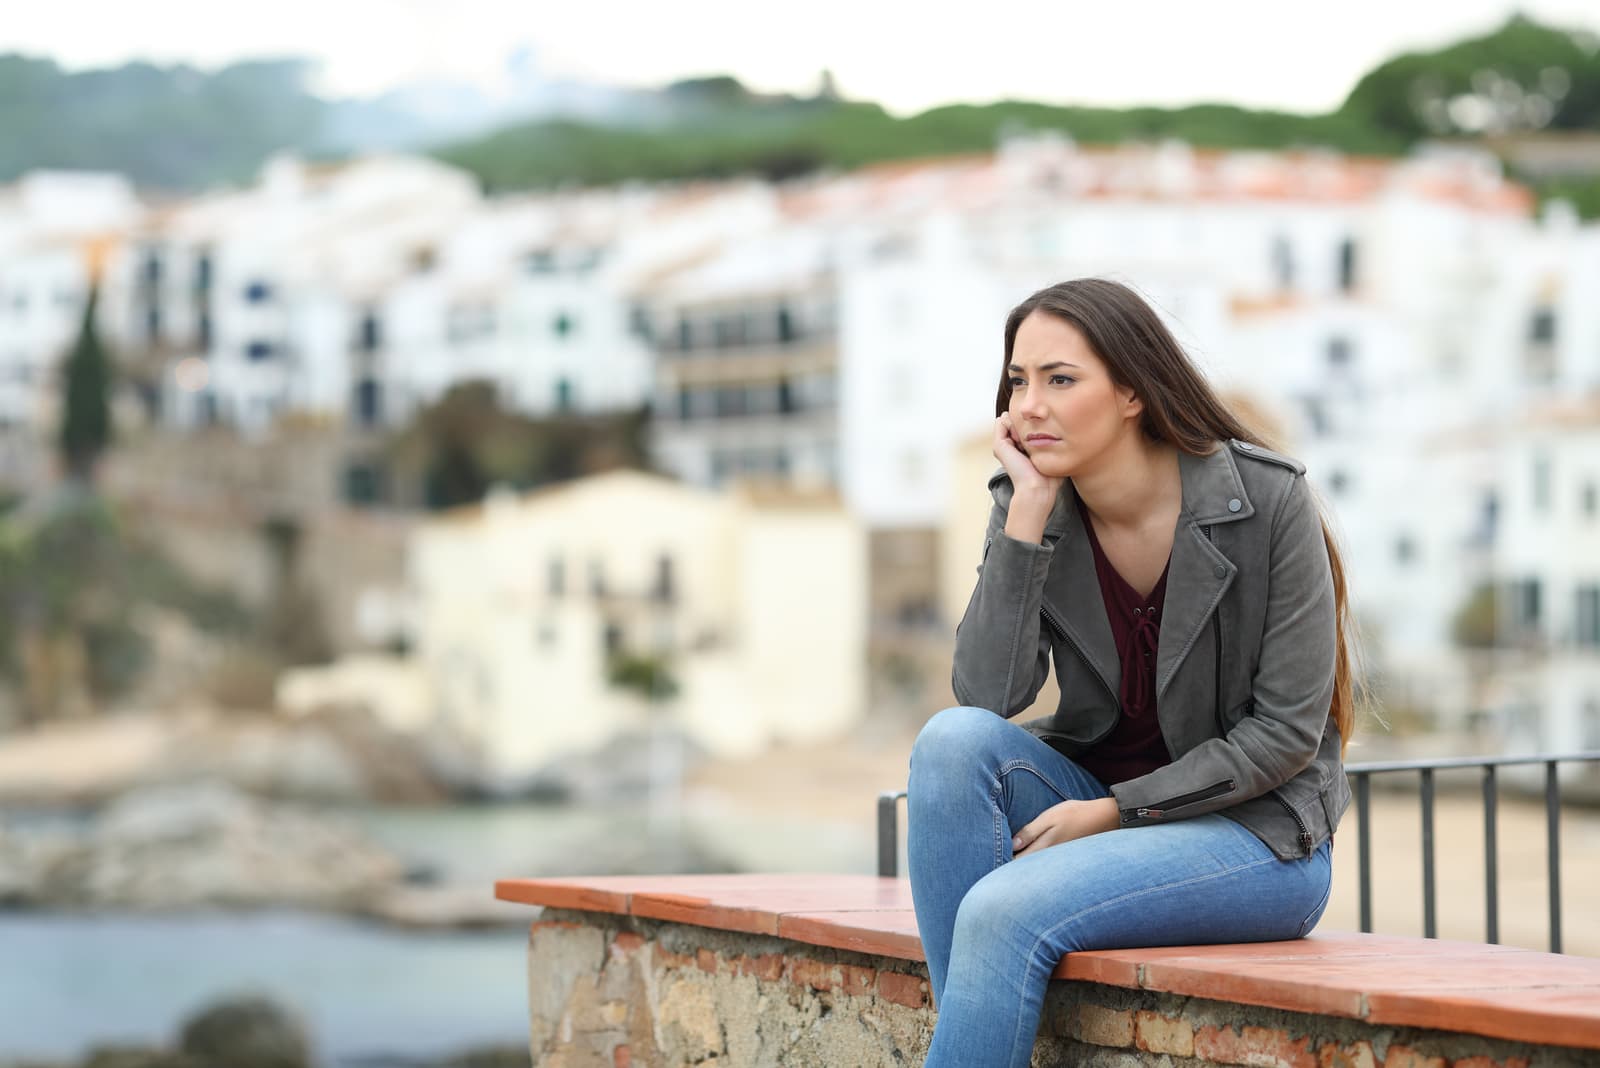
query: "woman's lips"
1041, 439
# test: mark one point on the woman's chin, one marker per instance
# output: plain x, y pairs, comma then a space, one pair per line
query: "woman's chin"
1051, 466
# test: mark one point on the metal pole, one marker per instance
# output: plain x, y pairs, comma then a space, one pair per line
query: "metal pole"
1491, 858
1552, 808
1430, 919
888, 834
1364, 846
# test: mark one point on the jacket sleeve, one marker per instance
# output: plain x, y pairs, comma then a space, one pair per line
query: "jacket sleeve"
1002, 657
1292, 687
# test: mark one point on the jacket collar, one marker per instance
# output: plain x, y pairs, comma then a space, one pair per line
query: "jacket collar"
1212, 493
1197, 577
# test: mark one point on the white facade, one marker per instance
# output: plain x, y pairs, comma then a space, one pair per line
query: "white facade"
758, 609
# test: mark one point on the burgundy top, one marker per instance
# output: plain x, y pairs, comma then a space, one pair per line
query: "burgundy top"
1135, 746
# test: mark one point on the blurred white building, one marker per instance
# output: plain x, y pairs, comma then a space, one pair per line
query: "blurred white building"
360, 291
753, 604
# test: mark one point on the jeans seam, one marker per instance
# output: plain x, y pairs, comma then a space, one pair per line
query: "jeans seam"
1141, 892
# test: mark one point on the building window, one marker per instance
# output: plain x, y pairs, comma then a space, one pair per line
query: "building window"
685, 334
152, 326
597, 579
786, 326
564, 325
370, 335
1541, 483
1347, 265
556, 577
547, 635
1523, 607
369, 402
202, 273
1542, 326
1338, 483
364, 483
564, 391
639, 322
259, 350
666, 588
258, 292
611, 638
1589, 500
542, 261
1339, 352
202, 332
1283, 262
152, 268
1586, 632
1405, 549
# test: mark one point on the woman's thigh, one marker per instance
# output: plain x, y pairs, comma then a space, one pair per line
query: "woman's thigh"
1204, 880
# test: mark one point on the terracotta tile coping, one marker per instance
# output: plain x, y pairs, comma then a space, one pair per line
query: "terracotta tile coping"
1498, 991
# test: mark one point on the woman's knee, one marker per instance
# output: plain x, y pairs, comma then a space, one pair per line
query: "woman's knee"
957, 738
995, 916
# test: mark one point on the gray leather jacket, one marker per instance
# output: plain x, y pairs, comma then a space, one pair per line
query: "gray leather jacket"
1244, 663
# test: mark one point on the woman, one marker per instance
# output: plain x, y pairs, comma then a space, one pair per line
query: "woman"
1181, 579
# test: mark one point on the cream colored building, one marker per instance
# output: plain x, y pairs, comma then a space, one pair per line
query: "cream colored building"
756, 604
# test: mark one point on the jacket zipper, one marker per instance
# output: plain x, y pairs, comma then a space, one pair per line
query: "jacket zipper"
1216, 647
1305, 835
1216, 789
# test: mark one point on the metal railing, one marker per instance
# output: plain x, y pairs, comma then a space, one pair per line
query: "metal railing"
1361, 776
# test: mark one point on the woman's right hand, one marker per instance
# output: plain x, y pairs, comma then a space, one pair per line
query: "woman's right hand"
1034, 494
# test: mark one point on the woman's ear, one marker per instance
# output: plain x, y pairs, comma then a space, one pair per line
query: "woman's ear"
1132, 406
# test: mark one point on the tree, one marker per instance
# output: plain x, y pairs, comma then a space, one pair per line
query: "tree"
86, 413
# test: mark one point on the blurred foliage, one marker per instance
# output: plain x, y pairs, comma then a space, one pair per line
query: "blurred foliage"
1474, 624
168, 127
71, 585
1582, 193
646, 675
86, 411
179, 127
784, 140
1523, 76
460, 446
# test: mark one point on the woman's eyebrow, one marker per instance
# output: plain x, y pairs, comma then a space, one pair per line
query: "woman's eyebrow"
1049, 366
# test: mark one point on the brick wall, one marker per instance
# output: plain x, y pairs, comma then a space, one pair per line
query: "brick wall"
618, 991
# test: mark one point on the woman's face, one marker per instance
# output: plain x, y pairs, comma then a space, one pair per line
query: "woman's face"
1065, 410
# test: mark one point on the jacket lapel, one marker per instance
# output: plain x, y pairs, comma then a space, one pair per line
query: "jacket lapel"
1072, 590
1199, 574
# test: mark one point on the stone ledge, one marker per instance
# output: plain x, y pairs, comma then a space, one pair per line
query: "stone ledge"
1497, 992
619, 991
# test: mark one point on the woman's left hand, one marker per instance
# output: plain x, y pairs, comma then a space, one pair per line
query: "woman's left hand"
1065, 822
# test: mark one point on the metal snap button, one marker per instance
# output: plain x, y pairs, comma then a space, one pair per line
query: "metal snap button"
1235, 504
1221, 572
1246, 446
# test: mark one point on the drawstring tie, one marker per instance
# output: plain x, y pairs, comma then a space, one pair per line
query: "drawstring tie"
1141, 646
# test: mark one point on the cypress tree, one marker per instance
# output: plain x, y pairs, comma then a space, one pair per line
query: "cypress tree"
86, 413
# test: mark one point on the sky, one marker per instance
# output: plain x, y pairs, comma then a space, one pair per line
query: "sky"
906, 56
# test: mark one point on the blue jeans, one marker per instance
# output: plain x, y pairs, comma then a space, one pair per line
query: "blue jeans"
994, 928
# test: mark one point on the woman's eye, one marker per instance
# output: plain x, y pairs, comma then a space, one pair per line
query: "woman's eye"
1017, 383
1060, 380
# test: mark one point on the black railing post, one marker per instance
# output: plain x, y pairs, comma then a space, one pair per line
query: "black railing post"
1430, 919
1364, 846
889, 833
1491, 858
1552, 808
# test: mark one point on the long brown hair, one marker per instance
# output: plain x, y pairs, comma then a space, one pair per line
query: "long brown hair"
1180, 409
